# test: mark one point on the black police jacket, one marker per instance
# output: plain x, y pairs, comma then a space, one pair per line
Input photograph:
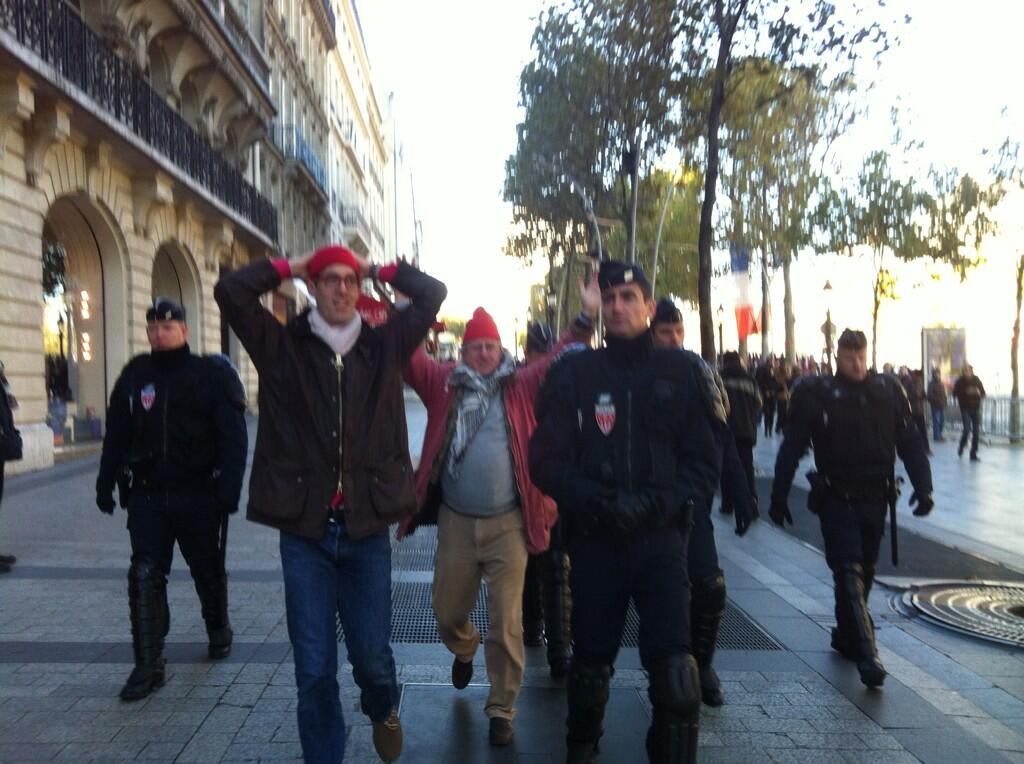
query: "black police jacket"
177, 422
857, 429
744, 402
627, 418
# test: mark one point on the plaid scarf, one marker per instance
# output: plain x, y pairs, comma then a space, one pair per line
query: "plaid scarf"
477, 393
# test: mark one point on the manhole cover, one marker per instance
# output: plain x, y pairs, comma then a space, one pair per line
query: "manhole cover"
990, 611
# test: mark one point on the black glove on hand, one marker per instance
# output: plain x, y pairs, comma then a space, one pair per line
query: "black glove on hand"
105, 502
625, 512
744, 513
779, 513
924, 503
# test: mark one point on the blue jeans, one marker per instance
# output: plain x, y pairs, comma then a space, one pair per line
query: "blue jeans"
322, 580
938, 422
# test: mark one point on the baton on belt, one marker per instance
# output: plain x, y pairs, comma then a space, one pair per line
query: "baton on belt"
224, 542
894, 494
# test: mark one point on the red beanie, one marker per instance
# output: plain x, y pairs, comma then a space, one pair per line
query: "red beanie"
333, 254
481, 327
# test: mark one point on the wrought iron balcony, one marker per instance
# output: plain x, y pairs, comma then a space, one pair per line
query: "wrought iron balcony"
325, 15
53, 31
352, 216
290, 141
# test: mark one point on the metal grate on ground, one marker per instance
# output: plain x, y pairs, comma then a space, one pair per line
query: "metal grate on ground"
413, 619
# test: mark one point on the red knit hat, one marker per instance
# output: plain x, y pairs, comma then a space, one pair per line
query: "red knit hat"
481, 327
333, 254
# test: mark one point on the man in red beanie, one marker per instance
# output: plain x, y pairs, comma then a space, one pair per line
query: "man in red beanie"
473, 481
331, 471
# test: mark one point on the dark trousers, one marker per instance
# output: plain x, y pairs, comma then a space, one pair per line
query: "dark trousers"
156, 521
702, 553
853, 532
649, 567
972, 425
745, 451
922, 427
783, 409
768, 407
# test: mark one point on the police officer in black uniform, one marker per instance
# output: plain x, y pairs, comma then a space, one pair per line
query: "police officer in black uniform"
175, 447
547, 603
707, 579
626, 447
858, 422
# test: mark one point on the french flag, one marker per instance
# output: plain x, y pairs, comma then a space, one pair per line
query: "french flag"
746, 320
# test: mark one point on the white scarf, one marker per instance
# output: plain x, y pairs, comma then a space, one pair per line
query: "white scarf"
340, 339
477, 393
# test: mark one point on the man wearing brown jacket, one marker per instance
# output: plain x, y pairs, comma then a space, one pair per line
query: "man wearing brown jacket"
331, 471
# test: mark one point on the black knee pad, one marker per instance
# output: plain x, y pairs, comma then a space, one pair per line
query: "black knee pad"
675, 686
587, 689
145, 575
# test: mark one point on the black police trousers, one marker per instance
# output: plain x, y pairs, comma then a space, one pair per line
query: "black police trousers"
852, 531
702, 553
649, 566
156, 519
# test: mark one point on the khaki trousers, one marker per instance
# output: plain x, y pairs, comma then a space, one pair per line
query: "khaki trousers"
494, 548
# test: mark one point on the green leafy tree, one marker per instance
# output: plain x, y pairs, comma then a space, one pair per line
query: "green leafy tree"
792, 34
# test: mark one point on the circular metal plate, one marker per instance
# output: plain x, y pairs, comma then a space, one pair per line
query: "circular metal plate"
990, 611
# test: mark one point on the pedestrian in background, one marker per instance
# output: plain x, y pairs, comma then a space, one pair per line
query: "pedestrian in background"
937, 400
10, 446
969, 393
547, 602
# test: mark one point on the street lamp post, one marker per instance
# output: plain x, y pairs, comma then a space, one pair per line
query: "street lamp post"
60, 334
657, 239
721, 343
828, 328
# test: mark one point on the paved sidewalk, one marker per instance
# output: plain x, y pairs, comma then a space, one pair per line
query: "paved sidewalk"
65, 650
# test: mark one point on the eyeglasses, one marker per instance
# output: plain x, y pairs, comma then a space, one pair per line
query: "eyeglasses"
333, 280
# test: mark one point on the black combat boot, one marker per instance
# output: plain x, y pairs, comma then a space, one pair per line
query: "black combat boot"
861, 634
533, 603
212, 589
558, 614
147, 604
707, 606
587, 690
675, 694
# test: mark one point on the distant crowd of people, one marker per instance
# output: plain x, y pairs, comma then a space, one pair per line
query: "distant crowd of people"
775, 378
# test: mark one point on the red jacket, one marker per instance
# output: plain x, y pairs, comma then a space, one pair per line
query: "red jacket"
429, 378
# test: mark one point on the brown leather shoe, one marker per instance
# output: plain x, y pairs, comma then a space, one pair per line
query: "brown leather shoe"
387, 737
501, 731
461, 674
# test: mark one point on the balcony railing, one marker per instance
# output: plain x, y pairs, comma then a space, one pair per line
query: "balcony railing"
293, 145
353, 217
54, 32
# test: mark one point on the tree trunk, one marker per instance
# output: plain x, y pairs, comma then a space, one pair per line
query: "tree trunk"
787, 307
726, 27
765, 305
634, 193
1015, 435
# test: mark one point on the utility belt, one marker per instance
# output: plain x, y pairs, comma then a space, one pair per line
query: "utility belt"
879, 488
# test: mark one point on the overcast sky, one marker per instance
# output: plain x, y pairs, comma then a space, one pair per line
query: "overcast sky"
454, 67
